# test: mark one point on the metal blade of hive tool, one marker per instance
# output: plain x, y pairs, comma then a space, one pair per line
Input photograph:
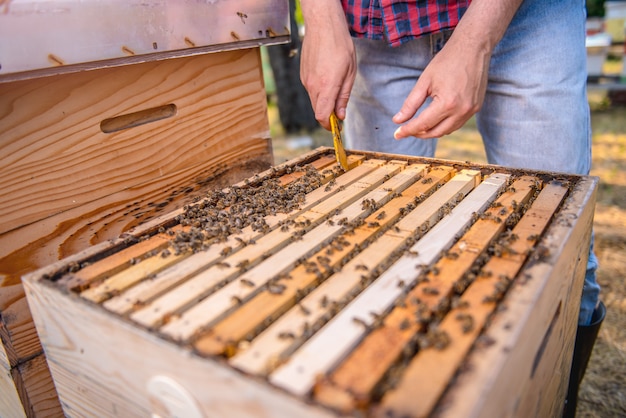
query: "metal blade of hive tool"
340, 153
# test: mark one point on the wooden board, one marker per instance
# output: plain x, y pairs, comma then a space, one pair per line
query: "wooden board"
249, 320
536, 343
345, 304
66, 184
353, 382
91, 186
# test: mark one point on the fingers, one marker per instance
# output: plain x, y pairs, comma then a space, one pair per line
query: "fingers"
327, 96
343, 97
445, 114
323, 106
412, 103
437, 120
332, 97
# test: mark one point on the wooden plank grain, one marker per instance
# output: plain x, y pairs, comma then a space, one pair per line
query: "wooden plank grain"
62, 136
532, 335
249, 319
322, 351
372, 187
268, 348
10, 401
142, 292
369, 362
37, 387
477, 302
202, 284
79, 345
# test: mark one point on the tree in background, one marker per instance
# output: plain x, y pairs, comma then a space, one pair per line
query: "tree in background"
294, 106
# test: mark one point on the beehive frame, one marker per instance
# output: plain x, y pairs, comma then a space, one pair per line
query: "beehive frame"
399, 276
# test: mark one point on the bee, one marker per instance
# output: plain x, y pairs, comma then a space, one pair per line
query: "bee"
381, 215
438, 339
430, 290
466, 320
304, 309
378, 320
243, 264
359, 321
286, 335
226, 250
306, 330
276, 289
405, 324
246, 282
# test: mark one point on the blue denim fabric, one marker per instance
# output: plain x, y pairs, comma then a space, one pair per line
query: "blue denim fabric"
535, 114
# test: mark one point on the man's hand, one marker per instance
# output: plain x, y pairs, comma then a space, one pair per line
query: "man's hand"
328, 60
456, 78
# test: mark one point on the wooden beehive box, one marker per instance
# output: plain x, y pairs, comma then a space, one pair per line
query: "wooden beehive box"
402, 287
110, 115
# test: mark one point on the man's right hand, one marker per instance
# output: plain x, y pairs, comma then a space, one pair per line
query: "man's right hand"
328, 59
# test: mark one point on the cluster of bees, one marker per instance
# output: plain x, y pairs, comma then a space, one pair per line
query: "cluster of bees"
226, 212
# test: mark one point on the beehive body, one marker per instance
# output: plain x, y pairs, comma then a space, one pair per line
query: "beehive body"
398, 277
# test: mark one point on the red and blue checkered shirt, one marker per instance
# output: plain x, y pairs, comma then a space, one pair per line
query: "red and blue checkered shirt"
399, 21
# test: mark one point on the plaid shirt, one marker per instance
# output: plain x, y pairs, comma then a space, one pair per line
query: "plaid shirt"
399, 21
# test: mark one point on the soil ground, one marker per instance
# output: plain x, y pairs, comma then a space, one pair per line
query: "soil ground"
603, 391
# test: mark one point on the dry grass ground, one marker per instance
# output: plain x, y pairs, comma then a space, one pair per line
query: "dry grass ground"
603, 392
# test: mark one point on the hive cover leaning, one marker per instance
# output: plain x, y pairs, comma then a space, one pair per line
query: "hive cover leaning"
400, 287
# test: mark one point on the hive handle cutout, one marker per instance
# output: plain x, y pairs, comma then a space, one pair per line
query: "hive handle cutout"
169, 399
131, 120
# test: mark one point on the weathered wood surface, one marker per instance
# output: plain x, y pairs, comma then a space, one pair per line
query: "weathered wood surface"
10, 401
333, 341
270, 348
249, 319
535, 344
67, 185
103, 364
34, 382
463, 323
354, 380
368, 188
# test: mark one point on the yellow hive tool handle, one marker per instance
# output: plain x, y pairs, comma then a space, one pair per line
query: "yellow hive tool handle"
340, 152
